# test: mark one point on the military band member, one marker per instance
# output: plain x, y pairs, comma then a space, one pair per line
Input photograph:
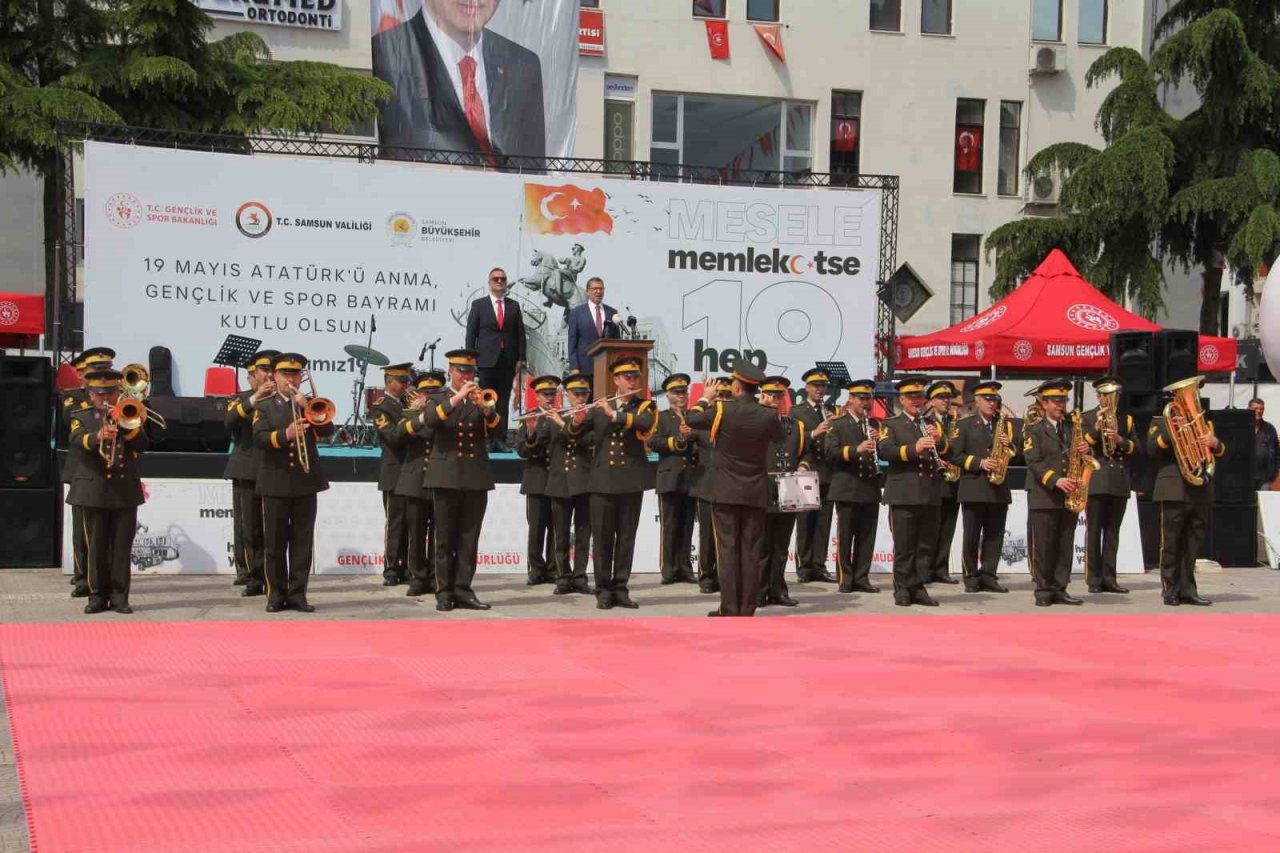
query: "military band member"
790, 453
532, 442
813, 529
708, 576
460, 479
242, 471
619, 478
107, 490
737, 486
76, 400
418, 508
1047, 449
941, 397
984, 505
850, 448
289, 478
677, 448
913, 448
1185, 511
569, 488
1108, 490
386, 413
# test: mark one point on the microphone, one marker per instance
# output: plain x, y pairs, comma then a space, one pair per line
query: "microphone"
373, 323
631, 322
423, 354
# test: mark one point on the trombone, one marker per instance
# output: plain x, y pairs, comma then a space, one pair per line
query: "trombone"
317, 411
128, 414
485, 398
137, 386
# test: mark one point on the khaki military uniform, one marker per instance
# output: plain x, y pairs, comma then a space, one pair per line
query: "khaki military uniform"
677, 507
387, 413
913, 491
855, 492
948, 513
790, 453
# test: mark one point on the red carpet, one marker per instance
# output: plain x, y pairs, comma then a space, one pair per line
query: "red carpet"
984, 733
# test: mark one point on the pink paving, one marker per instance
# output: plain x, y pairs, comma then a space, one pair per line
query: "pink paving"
867, 733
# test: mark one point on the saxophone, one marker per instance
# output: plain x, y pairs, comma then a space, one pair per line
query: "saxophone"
1080, 467
1108, 421
1000, 454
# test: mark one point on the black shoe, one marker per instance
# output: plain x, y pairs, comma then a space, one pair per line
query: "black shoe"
865, 587
1116, 588
121, 607
275, 606
415, 589
921, 596
714, 613
785, 600
823, 576
444, 605
944, 578
1094, 589
95, 605
845, 589
390, 581
80, 592
538, 580
971, 585
762, 601
1171, 600
708, 588
471, 604
73, 580
604, 601
240, 581
993, 585
563, 587
622, 598
300, 605
251, 590
686, 577
902, 599
1043, 602
1064, 598
1195, 601
668, 581
582, 586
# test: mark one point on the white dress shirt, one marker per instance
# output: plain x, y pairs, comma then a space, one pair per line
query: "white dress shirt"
451, 53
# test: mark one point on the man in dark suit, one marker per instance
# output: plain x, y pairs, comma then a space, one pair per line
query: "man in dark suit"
495, 330
1047, 448
738, 485
459, 86
587, 324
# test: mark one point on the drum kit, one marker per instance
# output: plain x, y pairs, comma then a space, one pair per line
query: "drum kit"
357, 431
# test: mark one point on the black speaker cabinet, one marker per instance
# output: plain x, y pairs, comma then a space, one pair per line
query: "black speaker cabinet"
29, 527
26, 422
1233, 534
195, 425
1233, 470
1177, 355
1133, 360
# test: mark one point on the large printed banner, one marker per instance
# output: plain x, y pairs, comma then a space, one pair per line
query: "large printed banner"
186, 528
185, 248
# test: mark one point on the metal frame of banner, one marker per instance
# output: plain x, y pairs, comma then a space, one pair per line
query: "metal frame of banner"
62, 302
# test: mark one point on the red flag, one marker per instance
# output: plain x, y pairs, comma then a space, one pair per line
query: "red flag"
771, 35
968, 147
565, 209
844, 134
718, 39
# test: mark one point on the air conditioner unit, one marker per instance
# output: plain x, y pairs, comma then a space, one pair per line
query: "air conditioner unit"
1046, 59
1045, 189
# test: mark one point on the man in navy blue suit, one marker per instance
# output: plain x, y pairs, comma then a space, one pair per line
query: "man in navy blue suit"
587, 324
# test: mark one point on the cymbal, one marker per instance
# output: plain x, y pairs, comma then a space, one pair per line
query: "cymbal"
367, 355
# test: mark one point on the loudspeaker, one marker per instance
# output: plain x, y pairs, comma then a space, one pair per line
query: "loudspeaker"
1133, 361
1233, 470
1142, 475
29, 527
1233, 534
1145, 403
1177, 355
194, 425
26, 422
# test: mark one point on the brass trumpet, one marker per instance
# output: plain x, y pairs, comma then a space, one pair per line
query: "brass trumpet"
485, 398
128, 414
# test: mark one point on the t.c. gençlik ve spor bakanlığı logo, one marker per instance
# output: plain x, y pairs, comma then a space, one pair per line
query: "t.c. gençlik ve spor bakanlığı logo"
984, 320
1023, 350
124, 210
1092, 317
1209, 354
253, 219
9, 313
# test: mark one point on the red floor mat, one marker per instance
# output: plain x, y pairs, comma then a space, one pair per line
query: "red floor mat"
866, 733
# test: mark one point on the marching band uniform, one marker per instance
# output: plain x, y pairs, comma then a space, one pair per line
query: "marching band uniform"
387, 412
791, 452
413, 433
677, 508
984, 505
569, 489
108, 494
619, 477
1108, 498
949, 508
242, 471
741, 430
1185, 510
708, 574
855, 491
913, 491
532, 443
77, 400
1047, 449
459, 476
813, 529
288, 490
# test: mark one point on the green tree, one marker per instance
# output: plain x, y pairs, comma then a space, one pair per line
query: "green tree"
150, 63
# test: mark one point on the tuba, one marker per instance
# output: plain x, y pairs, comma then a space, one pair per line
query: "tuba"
1080, 467
1108, 416
1187, 428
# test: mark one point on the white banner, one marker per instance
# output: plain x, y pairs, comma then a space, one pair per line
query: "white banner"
301, 14
1269, 526
185, 248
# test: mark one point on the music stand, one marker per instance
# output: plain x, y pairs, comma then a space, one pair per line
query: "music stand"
838, 378
235, 351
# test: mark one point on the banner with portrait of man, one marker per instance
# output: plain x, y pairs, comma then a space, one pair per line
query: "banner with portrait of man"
490, 77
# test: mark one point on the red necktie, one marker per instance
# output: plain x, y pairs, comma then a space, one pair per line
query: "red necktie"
599, 322
473, 107
501, 315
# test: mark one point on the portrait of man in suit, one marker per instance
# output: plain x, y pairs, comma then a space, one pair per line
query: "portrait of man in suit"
459, 86
588, 323
495, 330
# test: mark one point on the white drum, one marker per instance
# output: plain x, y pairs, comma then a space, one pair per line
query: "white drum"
799, 491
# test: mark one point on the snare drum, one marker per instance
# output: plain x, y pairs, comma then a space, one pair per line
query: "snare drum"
799, 491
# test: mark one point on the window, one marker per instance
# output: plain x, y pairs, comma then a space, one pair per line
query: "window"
846, 136
935, 17
1010, 141
1046, 20
708, 8
964, 276
968, 145
886, 15
590, 4
619, 124
762, 10
1093, 22
732, 134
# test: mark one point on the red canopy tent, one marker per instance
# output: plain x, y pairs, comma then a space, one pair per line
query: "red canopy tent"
1056, 322
21, 319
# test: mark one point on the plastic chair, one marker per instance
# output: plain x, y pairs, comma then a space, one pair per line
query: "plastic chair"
221, 382
67, 377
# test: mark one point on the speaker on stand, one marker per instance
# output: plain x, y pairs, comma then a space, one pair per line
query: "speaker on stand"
1233, 530
29, 494
1133, 362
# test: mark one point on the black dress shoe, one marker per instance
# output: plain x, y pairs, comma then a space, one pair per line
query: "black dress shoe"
1116, 588
668, 581
444, 605
1171, 600
686, 577
845, 589
865, 587
824, 576
275, 606
1043, 602
921, 596
562, 588
604, 601
714, 613
1064, 598
1094, 589
80, 592
622, 598
471, 604
582, 586
390, 581
240, 581
902, 599
121, 607
538, 580
993, 585
1195, 601
784, 600
972, 586
708, 588
300, 605
95, 605
944, 579
415, 590
251, 590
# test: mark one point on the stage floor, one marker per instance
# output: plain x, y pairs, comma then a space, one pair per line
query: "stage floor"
1077, 728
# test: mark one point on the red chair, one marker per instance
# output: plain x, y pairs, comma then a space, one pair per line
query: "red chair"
221, 382
67, 377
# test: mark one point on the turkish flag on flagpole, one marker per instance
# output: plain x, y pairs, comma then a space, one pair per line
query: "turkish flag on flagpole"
771, 35
718, 39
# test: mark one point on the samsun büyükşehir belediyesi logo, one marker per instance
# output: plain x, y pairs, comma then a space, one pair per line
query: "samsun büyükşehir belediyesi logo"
253, 219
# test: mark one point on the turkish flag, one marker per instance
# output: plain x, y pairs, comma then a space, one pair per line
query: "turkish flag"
718, 39
844, 134
566, 209
771, 35
968, 147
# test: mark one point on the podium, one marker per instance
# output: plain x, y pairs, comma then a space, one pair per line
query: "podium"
606, 352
